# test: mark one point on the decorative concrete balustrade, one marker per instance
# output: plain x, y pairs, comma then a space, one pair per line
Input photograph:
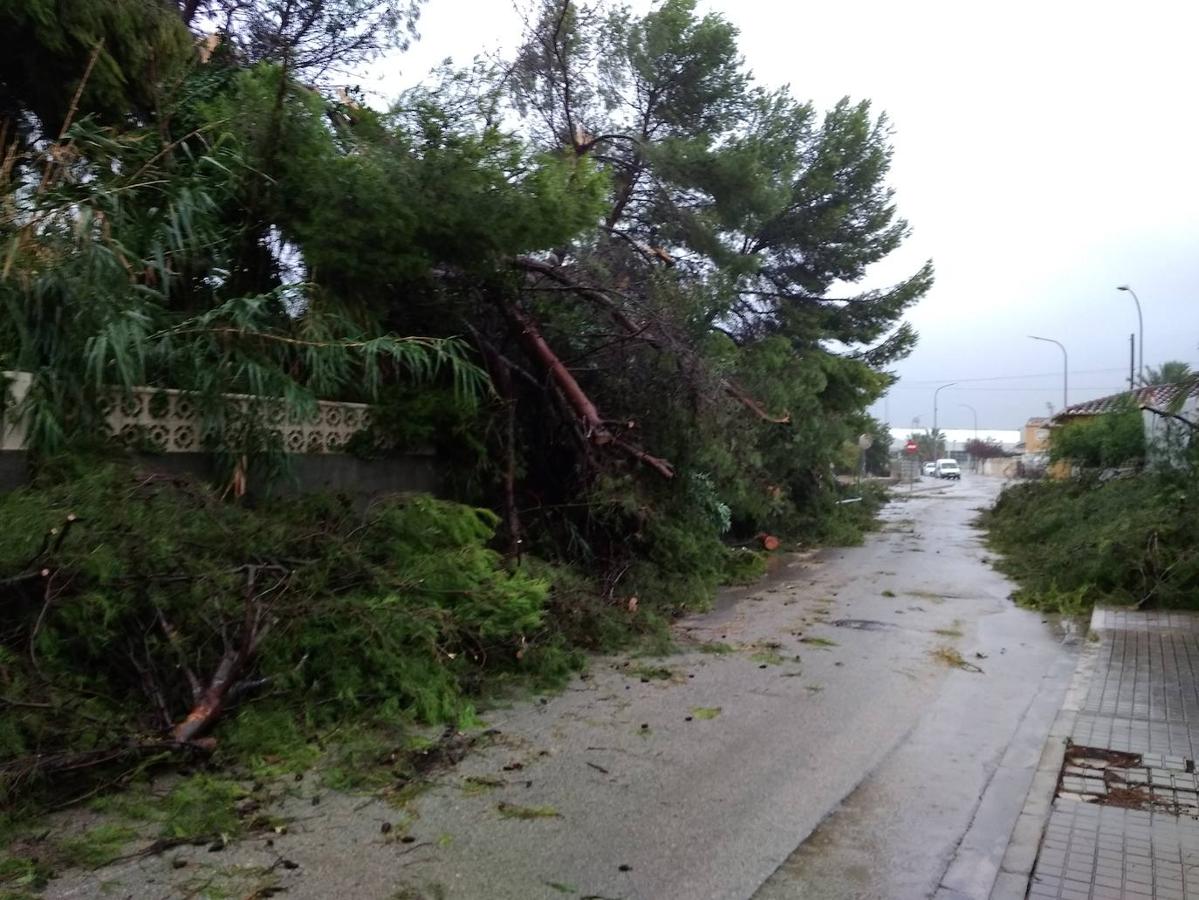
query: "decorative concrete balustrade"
168, 421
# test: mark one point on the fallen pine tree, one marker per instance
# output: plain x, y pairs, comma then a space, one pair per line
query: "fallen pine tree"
142, 610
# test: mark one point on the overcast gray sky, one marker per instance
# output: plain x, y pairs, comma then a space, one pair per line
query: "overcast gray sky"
1045, 152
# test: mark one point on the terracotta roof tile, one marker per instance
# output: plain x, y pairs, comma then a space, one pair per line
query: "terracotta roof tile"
1156, 395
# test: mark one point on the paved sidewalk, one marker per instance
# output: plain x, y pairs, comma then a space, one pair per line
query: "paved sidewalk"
1124, 820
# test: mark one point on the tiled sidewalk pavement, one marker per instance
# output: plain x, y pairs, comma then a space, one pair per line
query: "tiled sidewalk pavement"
1143, 699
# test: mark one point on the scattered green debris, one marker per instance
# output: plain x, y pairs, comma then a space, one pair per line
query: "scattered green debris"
95, 847
766, 652
952, 631
952, 658
705, 712
716, 647
513, 811
888, 593
427, 892
652, 673
818, 642
474, 785
743, 566
203, 806
21, 875
241, 628
768, 656
928, 595
562, 888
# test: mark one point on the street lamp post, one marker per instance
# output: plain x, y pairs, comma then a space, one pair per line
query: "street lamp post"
974, 412
1140, 329
1065, 366
937, 391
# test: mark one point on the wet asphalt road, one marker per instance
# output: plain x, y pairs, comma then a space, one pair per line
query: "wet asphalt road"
837, 751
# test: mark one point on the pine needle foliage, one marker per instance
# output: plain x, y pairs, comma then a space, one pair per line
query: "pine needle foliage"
394, 613
1073, 543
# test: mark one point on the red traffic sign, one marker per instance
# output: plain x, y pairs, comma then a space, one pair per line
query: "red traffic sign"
910, 447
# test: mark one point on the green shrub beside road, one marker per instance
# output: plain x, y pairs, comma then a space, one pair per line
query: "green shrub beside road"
1114, 439
1071, 544
125, 594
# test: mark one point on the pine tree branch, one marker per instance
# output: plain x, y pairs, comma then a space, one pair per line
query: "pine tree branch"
1193, 426
594, 430
634, 330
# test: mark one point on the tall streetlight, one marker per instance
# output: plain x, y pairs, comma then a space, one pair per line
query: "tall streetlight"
1065, 366
975, 413
937, 391
1140, 329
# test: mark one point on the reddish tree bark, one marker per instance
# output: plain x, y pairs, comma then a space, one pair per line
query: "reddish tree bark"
595, 431
621, 318
501, 375
216, 695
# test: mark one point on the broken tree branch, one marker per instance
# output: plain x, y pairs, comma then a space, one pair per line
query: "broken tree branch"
734, 391
1193, 426
595, 431
223, 686
172, 637
634, 330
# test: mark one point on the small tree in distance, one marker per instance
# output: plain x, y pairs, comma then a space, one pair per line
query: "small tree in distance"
985, 449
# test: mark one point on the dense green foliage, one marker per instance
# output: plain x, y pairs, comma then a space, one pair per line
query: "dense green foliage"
1114, 439
1072, 543
392, 612
137, 46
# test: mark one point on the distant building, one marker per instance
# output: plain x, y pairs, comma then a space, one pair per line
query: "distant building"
1036, 435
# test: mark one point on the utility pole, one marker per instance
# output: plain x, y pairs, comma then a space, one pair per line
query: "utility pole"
1140, 328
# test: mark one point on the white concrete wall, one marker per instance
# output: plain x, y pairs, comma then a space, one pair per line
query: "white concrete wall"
1166, 439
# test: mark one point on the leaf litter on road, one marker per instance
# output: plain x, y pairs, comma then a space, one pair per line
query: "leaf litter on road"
514, 811
951, 657
818, 642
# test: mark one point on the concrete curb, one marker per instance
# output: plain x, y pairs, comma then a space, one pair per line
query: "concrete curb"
977, 861
1021, 856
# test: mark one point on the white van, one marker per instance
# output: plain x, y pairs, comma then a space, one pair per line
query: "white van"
948, 468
